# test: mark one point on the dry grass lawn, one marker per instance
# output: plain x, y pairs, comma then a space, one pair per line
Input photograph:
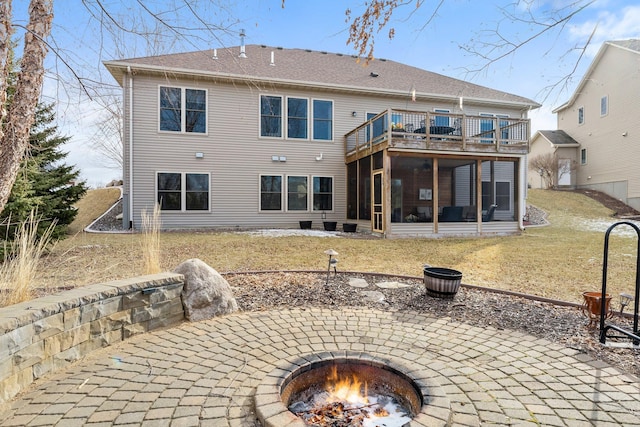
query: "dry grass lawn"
91, 206
558, 261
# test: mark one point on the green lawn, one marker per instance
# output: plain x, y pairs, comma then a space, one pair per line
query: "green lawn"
558, 261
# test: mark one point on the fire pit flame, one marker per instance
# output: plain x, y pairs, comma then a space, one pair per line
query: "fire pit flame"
346, 402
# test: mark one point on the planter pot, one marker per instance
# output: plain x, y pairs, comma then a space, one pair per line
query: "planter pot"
349, 227
441, 282
305, 225
330, 225
592, 305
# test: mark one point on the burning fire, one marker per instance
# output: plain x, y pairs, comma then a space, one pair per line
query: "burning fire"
346, 389
345, 402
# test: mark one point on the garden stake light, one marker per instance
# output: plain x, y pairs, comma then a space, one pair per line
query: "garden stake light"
332, 262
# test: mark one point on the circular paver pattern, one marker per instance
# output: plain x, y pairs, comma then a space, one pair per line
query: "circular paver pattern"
207, 373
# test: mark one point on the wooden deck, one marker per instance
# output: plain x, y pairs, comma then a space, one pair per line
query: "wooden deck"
407, 130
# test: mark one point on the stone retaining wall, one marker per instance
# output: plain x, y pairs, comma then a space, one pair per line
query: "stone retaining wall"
43, 335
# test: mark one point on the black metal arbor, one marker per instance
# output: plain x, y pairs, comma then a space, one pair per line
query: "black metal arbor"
604, 329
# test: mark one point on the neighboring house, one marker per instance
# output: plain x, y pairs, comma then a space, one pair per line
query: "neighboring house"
256, 136
563, 148
602, 118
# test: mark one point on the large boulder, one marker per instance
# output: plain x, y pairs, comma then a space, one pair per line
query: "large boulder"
206, 293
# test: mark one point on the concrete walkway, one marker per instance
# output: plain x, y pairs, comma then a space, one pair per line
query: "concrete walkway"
206, 373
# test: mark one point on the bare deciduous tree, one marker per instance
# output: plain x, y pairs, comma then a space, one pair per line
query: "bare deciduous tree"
551, 168
490, 46
107, 140
17, 117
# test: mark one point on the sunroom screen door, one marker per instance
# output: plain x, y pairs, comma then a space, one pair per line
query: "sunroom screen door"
378, 208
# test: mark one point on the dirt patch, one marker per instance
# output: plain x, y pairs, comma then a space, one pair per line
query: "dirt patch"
619, 208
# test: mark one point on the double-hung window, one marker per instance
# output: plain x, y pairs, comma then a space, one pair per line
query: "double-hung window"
297, 193
270, 192
322, 193
297, 118
271, 116
322, 120
179, 191
183, 110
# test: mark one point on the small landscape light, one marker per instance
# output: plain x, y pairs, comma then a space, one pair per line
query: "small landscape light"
332, 262
625, 299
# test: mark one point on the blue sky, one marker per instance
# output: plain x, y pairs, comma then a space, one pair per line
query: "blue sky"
320, 25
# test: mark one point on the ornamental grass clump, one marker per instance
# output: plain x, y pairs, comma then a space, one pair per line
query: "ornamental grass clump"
151, 240
21, 258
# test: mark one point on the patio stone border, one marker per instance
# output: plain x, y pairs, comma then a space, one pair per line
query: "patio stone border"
41, 336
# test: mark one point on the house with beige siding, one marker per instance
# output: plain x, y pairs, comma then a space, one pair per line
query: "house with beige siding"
600, 122
258, 136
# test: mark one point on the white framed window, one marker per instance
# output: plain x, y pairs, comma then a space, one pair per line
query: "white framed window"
182, 109
271, 116
322, 120
271, 193
583, 156
297, 193
297, 118
441, 120
322, 193
183, 191
604, 106
580, 115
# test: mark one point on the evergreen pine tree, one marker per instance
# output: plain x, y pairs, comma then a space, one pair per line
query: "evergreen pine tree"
44, 182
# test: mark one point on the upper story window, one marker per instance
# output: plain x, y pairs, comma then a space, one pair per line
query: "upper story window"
604, 105
441, 120
183, 110
271, 116
297, 118
580, 115
322, 120
183, 191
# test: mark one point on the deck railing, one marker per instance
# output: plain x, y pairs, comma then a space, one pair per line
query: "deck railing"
439, 131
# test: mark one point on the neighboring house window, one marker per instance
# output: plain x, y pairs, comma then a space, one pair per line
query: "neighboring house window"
271, 116
297, 193
604, 105
183, 191
580, 115
583, 156
322, 193
183, 110
270, 192
297, 113
322, 120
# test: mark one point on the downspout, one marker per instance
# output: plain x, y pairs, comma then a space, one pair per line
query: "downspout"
130, 76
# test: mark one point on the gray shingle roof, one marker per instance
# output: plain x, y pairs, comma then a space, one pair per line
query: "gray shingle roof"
323, 69
632, 44
558, 137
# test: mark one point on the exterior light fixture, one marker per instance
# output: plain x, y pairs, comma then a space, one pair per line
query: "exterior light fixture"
625, 299
354, 114
332, 262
